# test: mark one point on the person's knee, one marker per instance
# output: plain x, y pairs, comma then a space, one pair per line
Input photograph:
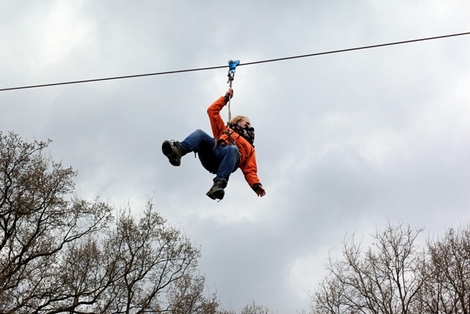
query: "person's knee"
232, 149
200, 132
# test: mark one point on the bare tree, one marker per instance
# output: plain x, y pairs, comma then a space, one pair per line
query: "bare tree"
139, 267
186, 296
383, 279
448, 288
61, 254
254, 308
152, 259
38, 218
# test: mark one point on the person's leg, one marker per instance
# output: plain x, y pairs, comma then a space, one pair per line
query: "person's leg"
229, 163
196, 141
222, 160
228, 158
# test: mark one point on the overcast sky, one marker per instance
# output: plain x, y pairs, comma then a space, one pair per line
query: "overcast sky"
345, 142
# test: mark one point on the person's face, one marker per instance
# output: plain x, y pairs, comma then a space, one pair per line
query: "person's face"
245, 122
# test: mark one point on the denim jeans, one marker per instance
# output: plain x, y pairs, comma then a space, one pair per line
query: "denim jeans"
219, 159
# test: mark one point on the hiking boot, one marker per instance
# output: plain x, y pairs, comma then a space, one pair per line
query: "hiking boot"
217, 190
172, 150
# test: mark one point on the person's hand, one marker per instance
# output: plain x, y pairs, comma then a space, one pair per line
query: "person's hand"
229, 93
260, 191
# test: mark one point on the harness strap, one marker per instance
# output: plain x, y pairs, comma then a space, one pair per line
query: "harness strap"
229, 135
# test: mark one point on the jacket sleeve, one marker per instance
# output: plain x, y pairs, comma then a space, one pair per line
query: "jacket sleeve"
217, 123
250, 170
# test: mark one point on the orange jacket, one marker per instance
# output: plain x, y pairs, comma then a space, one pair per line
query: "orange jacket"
247, 152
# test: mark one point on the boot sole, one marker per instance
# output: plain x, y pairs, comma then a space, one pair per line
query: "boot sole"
216, 195
167, 150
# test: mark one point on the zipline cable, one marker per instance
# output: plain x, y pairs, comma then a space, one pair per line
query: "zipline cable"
357, 48
241, 64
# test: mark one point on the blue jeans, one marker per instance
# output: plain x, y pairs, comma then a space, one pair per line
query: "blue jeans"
219, 159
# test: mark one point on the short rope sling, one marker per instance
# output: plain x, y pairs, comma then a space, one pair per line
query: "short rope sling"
232, 67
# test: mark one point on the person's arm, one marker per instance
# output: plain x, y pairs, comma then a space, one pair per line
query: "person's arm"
249, 170
217, 123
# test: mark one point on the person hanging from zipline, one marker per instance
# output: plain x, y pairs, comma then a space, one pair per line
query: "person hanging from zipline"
230, 148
